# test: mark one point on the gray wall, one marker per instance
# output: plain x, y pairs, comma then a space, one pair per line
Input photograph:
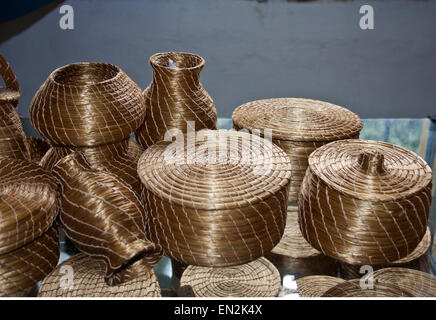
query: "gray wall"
253, 50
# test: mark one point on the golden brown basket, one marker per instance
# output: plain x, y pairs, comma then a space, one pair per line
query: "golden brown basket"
10, 93
258, 278
420, 284
104, 218
175, 97
316, 286
37, 148
87, 104
29, 203
365, 202
88, 281
22, 268
298, 126
216, 212
352, 288
294, 255
419, 260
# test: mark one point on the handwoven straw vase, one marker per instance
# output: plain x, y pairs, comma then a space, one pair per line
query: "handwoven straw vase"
420, 284
22, 268
419, 260
365, 202
88, 281
258, 278
104, 218
295, 256
10, 93
37, 148
13, 142
353, 288
175, 97
29, 203
87, 104
316, 286
298, 126
216, 212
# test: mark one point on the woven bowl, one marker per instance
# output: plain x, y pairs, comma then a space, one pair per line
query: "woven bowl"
298, 126
10, 93
352, 288
29, 203
365, 202
87, 104
294, 255
175, 98
213, 210
258, 278
316, 286
88, 281
22, 268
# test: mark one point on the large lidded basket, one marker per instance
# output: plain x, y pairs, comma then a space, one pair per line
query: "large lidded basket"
365, 202
217, 201
298, 126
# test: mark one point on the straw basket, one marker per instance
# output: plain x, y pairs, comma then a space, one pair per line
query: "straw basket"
316, 286
365, 202
37, 148
353, 288
258, 278
218, 201
10, 93
87, 280
175, 98
298, 126
87, 104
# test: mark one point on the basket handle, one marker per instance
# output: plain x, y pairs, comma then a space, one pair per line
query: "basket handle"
8, 75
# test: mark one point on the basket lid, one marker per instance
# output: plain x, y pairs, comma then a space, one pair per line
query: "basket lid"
370, 170
298, 119
246, 169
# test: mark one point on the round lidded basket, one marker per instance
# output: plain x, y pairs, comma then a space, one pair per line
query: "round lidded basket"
353, 288
365, 202
87, 104
298, 126
88, 281
258, 278
10, 93
316, 286
217, 201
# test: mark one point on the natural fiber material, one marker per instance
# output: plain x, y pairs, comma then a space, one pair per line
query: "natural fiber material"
294, 255
37, 148
365, 202
28, 203
298, 126
419, 259
316, 286
22, 268
88, 281
258, 278
87, 104
352, 288
420, 284
104, 218
11, 93
434, 249
216, 212
13, 142
175, 97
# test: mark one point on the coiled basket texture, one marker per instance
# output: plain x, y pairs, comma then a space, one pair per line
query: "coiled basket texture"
11, 92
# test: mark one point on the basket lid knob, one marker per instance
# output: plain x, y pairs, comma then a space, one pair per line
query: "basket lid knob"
372, 162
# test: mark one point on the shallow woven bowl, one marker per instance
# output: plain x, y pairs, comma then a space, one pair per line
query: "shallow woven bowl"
352, 288
298, 126
216, 212
316, 286
88, 281
365, 202
258, 278
87, 104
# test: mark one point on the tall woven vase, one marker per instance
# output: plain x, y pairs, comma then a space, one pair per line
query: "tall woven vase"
175, 98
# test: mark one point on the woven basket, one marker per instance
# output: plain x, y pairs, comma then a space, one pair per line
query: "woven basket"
88, 281
175, 97
294, 255
29, 203
22, 268
419, 259
352, 288
10, 93
37, 148
216, 212
104, 218
299, 126
365, 202
420, 284
87, 104
316, 286
258, 278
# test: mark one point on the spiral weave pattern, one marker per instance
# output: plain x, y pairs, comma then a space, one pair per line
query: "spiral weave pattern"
316, 286
352, 288
11, 93
220, 201
365, 202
